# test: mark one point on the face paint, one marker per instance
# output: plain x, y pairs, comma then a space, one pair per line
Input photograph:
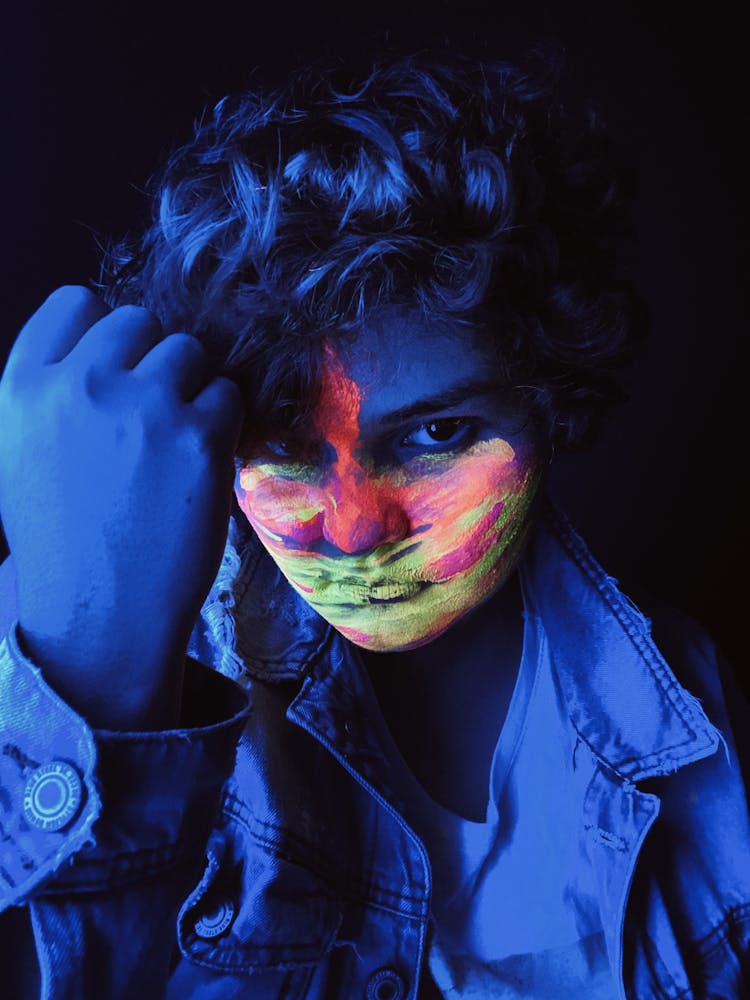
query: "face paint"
391, 558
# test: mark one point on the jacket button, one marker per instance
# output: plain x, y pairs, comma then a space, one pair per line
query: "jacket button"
52, 796
385, 984
216, 920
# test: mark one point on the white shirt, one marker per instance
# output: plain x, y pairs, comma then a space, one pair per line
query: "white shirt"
514, 906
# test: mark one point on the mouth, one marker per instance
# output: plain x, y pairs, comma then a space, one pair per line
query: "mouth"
381, 593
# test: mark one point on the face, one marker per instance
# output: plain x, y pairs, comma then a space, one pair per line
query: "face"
407, 504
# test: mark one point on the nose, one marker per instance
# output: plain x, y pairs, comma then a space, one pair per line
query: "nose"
360, 515
353, 531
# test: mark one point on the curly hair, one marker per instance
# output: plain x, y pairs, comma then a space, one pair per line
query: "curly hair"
465, 188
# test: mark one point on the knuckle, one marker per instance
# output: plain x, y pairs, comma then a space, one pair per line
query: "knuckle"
187, 349
223, 407
230, 391
187, 342
135, 314
17, 384
93, 382
6, 379
72, 295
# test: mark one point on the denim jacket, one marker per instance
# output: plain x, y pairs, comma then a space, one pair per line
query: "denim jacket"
258, 851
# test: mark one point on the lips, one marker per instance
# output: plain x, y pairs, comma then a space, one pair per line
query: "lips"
380, 592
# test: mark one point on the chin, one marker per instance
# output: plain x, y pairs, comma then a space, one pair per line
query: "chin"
375, 643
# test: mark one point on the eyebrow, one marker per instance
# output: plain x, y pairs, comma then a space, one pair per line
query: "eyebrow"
451, 396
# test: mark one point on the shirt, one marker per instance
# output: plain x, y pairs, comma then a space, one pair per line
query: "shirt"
514, 902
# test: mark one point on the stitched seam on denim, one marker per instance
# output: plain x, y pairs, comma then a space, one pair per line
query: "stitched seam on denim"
267, 669
615, 602
343, 695
14, 752
331, 678
226, 956
230, 950
249, 561
272, 670
724, 932
278, 669
371, 904
333, 874
336, 681
605, 837
345, 886
686, 994
139, 864
217, 962
176, 737
267, 835
585, 562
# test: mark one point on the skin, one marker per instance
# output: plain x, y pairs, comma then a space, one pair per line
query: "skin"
118, 443
408, 506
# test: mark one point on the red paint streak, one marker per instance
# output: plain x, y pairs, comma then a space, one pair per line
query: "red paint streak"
360, 511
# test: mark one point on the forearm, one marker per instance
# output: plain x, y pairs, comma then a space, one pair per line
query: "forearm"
103, 889
73, 665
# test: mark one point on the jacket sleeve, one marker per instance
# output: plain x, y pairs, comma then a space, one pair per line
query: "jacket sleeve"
102, 833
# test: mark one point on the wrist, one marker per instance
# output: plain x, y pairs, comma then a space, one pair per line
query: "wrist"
111, 688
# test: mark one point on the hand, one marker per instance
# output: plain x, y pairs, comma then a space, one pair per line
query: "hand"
116, 471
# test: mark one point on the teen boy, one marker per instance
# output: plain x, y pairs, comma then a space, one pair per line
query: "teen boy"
465, 768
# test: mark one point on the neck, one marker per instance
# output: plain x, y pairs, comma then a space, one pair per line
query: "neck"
445, 702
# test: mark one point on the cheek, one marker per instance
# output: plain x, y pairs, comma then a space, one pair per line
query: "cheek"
463, 511
284, 506
467, 488
452, 506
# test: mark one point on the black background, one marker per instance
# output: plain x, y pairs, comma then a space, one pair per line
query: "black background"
95, 95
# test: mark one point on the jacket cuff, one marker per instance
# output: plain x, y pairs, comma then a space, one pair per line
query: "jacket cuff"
94, 808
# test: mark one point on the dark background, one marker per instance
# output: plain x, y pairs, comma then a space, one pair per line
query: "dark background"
95, 95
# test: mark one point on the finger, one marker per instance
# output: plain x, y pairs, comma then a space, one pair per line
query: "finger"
56, 327
178, 362
119, 340
222, 408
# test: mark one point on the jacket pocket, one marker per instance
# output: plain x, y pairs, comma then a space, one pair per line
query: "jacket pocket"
255, 908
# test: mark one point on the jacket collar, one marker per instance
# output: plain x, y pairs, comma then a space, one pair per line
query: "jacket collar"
252, 618
622, 698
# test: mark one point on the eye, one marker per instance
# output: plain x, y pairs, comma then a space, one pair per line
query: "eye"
279, 449
440, 434
291, 451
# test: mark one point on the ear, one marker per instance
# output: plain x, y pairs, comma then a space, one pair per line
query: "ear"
8, 597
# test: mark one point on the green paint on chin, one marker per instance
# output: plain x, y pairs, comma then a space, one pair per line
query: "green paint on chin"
416, 620
419, 620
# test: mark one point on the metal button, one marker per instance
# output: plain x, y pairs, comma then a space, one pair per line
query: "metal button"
385, 984
52, 796
216, 920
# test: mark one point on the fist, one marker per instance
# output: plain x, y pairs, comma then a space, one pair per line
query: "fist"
116, 471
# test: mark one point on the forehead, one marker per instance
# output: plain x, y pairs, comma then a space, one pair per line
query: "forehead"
399, 355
